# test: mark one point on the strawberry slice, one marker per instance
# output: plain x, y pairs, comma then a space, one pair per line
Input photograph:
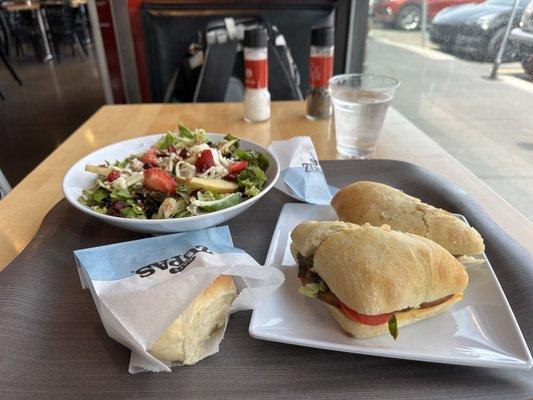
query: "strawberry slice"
205, 161
113, 175
236, 167
159, 180
150, 157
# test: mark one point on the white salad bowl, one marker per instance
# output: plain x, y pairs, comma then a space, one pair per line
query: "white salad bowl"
78, 179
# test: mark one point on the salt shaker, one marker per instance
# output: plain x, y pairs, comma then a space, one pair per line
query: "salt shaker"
320, 70
256, 95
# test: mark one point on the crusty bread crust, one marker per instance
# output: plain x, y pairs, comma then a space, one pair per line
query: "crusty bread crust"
308, 235
294, 251
377, 270
378, 204
184, 339
360, 331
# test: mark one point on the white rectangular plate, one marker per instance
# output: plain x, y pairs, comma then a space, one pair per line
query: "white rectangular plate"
480, 330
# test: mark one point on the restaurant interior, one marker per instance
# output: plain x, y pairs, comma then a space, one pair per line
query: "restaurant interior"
266, 199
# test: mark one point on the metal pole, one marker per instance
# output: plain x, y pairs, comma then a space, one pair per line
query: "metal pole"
503, 45
47, 54
101, 60
355, 56
424, 26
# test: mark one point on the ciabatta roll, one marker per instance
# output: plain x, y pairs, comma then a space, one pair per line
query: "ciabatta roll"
378, 204
184, 339
367, 274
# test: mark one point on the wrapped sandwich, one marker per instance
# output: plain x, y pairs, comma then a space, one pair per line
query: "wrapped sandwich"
168, 298
374, 280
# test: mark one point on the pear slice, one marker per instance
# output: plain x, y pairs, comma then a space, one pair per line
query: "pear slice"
96, 169
213, 185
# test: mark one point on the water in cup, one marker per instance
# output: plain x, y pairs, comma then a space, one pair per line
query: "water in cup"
360, 103
359, 116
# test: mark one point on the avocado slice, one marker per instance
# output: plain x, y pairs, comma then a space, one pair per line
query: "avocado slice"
213, 185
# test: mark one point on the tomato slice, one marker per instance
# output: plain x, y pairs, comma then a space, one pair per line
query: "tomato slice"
113, 175
236, 167
365, 319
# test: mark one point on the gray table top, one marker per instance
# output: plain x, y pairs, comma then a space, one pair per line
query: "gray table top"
54, 345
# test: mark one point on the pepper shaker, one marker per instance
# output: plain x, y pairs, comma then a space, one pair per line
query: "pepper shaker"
320, 70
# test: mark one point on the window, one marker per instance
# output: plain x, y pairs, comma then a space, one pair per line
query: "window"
486, 124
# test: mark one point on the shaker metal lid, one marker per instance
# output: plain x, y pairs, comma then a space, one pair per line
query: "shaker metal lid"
322, 36
255, 37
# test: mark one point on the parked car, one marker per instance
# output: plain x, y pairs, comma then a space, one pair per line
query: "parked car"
523, 38
407, 14
476, 29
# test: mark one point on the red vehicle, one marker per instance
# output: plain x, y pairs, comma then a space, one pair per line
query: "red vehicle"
407, 14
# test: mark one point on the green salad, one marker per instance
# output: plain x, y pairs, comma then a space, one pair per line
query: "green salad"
181, 175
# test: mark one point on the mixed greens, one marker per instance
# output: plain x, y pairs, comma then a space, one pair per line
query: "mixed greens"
181, 175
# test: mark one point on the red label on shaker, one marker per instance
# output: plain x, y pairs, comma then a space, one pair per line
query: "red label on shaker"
256, 74
320, 70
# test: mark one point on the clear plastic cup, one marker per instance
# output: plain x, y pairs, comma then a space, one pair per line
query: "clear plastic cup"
360, 103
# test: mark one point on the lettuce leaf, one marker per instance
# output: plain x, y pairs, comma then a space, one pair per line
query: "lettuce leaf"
251, 180
184, 138
185, 132
99, 195
217, 204
133, 211
253, 157
312, 289
206, 196
170, 207
184, 191
166, 141
230, 145
393, 326
120, 194
197, 136
101, 210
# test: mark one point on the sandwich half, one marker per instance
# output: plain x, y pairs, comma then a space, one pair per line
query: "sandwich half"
378, 204
374, 280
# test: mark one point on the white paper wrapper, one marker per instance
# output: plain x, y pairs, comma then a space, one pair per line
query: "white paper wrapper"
301, 176
141, 287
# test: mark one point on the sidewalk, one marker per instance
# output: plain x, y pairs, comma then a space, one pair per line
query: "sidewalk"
486, 125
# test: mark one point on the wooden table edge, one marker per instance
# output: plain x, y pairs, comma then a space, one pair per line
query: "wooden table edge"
18, 240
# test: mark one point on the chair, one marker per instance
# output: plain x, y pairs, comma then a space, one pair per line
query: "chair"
23, 28
5, 44
63, 29
83, 24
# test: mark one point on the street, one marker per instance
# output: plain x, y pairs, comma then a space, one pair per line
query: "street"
412, 40
487, 125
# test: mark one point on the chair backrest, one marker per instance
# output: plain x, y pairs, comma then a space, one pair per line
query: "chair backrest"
61, 18
222, 63
168, 29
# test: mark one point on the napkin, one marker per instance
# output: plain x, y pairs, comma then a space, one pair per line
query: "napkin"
301, 175
141, 287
